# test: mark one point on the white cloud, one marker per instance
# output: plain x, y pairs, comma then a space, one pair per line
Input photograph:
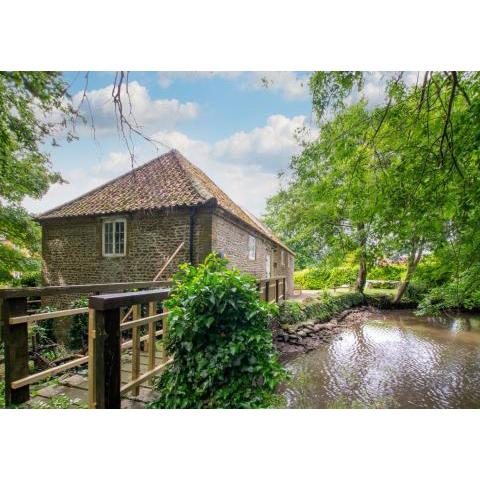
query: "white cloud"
147, 112
244, 165
269, 147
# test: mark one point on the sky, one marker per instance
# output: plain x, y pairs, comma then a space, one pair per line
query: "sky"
238, 127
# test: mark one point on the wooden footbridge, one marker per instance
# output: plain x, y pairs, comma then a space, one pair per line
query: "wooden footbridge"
127, 324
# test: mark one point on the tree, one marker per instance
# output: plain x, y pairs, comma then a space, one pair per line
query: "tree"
331, 195
399, 179
29, 101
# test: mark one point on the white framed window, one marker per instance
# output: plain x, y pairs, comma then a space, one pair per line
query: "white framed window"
268, 266
252, 248
114, 237
282, 258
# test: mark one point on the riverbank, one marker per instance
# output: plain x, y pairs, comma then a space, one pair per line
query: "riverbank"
295, 339
304, 324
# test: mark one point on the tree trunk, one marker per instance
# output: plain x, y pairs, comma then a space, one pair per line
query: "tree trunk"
413, 259
362, 272
362, 276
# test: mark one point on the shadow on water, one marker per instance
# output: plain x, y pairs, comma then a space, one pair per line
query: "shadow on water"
392, 360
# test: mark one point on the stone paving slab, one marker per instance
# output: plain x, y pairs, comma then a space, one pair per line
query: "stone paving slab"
74, 387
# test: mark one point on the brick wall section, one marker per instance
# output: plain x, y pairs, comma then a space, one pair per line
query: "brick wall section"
231, 238
72, 248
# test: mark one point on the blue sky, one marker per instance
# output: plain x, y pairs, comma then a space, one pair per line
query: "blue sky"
229, 124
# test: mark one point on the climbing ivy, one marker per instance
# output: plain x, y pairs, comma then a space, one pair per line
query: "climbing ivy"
220, 339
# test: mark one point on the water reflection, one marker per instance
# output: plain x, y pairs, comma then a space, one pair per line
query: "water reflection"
393, 360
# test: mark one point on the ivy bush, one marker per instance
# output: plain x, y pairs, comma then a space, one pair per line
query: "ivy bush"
221, 341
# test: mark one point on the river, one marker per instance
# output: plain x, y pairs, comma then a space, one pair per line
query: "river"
392, 360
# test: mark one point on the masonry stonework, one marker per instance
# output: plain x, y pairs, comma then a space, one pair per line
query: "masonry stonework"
231, 238
72, 247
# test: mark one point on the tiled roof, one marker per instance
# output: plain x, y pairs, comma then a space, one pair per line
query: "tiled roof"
165, 182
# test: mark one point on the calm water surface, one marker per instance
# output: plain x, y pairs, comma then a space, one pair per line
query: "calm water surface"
393, 360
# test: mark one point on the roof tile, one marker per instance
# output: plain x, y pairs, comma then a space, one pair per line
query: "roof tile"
167, 181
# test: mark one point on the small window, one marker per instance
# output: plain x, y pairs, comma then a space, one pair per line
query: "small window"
268, 266
282, 258
113, 238
252, 248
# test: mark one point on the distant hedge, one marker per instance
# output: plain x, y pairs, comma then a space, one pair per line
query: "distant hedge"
319, 278
319, 309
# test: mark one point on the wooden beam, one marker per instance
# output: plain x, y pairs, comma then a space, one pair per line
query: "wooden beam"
107, 358
128, 343
28, 380
152, 310
141, 321
47, 315
87, 288
157, 276
117, 300
91, 358
136, 312
16, 351
144, 377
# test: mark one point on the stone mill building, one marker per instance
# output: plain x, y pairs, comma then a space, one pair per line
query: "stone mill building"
126, 229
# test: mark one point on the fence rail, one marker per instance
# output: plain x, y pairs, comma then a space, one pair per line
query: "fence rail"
106, 325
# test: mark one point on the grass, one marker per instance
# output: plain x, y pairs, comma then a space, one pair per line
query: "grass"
368, 291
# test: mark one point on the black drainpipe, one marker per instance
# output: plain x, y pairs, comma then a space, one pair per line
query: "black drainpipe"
192, 224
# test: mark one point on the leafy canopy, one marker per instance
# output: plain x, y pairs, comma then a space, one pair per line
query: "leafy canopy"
29, 103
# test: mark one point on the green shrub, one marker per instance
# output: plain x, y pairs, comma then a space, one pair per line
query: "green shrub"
387, 272
78, 333
31, 279
320, 309
2, 394
220, 339
44, 329
416, 291
462, 293
291, 312
320, 278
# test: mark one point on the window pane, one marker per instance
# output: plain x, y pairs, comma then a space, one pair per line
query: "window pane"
251, 248
108, 238
119, 237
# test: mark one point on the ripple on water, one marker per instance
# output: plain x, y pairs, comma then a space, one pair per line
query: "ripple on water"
394, 359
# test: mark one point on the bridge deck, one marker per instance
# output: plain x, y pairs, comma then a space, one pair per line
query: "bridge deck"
71, 389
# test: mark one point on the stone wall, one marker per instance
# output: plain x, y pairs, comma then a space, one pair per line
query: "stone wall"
72, 248
230, 237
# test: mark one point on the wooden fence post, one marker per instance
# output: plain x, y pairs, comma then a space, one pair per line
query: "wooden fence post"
267, 290
91, 358
136, 314
164, 334
152, 310
276, 290
107, 358
16, 350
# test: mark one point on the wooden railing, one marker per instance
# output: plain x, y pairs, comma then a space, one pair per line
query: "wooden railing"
272, 289
15, 331
106, 326
104, 369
